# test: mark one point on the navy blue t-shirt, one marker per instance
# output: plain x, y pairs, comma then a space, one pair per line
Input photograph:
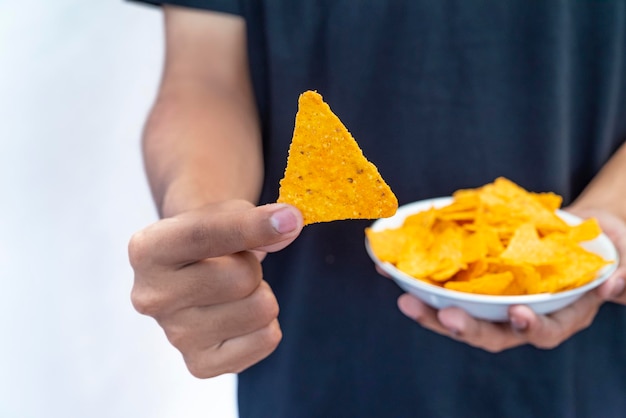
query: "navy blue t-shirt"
440, 95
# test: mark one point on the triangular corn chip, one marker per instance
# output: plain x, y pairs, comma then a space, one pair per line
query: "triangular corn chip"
496, 239
327, 177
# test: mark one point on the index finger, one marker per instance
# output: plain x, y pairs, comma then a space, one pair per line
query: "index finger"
207, 233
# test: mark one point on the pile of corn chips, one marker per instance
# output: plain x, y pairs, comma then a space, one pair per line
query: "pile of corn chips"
498, 239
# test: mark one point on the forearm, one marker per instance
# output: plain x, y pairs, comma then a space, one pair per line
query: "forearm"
202, 145
608, 189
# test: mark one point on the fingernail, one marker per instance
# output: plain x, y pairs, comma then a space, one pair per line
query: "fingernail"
618, 288
284, 220
519, 324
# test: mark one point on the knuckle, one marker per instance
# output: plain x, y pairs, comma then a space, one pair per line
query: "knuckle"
248, 230
206, 364
245, 229
546, 345
199, 369
138, 249
494, 347
548, 342
248, 275
265, 304
201, 233
146, 302
178, 336
271, 336
239, 232
210, 234
586, 322
222, 230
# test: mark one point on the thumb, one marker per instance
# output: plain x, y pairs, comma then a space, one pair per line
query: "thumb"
214, 232
287, 221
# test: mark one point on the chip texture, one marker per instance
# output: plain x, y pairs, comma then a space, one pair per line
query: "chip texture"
498, 239
327, 176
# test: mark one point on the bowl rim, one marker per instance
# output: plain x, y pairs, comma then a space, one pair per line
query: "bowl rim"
398, 275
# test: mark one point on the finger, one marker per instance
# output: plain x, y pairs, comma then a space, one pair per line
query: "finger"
206, 282
207, 233
382, 272
236, 354
423, 314
203, 327
613, 289
548, 331
456, 323
490, 336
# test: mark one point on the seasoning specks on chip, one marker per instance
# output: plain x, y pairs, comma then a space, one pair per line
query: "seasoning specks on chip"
327, 176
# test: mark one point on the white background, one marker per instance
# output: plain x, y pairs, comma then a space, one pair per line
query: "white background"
77, 78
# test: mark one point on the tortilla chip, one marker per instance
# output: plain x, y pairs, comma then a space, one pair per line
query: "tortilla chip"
386, 244
498, 239
489, 284
527, 247
327, 176
549, 200
585, 231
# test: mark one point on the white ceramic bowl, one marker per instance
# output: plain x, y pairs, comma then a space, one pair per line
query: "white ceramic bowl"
492, 308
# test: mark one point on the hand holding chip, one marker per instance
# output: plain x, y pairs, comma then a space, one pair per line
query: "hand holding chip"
199, 275
525, 327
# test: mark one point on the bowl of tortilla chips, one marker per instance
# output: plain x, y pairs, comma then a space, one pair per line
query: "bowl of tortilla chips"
492, 247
